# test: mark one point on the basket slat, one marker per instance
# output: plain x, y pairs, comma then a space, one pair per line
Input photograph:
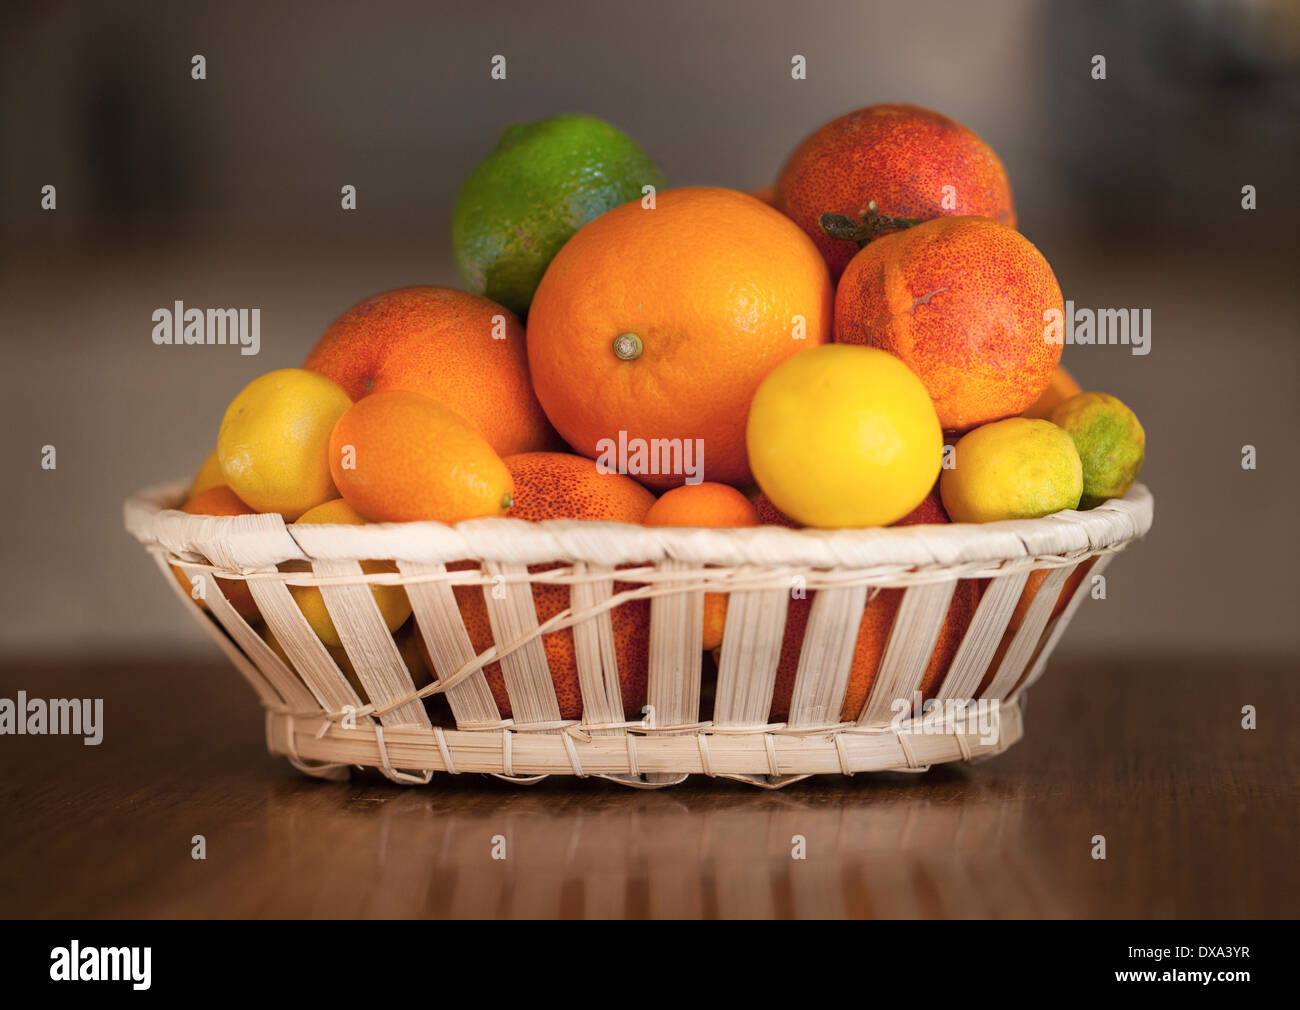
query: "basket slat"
826, 657
982, 637
310, 658
593, 648
676, 661
369, 644
440, 624
1029, 633
525, 671
265, 691
911, 642
751, 649
738, 754
1058, 628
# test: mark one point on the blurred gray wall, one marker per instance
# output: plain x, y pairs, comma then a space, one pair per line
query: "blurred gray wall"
226, 192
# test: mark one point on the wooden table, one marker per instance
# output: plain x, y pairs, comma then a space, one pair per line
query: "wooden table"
1200, 816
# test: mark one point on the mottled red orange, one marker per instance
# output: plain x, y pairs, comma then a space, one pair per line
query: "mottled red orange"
963, 301
554, 485
466, 352
900, 156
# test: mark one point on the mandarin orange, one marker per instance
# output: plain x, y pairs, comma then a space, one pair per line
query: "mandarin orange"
465, 351
705, 504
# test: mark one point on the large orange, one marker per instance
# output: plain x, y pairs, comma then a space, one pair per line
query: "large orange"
464, 351
659, 324
553, 485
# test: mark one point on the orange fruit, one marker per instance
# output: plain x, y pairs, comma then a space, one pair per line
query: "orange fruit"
393, 603
1060, 387
705, 504
466, 352
911, 162
873, 636
659, 324
873, 633
964, 302
221, 501
552, 485
398, 456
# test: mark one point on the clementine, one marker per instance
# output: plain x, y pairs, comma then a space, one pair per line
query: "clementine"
705, 504
466, 352
652, 328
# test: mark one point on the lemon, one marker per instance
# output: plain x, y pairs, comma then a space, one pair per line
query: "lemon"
1018, 468
1110, 440
274, 441
394, 605
843, 435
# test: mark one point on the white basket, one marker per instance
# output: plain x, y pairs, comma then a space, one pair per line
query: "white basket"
323, 724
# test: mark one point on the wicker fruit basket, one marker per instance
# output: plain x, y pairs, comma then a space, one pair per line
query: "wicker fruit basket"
318, 718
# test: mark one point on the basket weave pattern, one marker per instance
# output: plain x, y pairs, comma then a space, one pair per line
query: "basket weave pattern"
320, 722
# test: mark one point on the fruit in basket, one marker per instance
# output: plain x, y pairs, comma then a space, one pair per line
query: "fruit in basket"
1060, 388
844, 436
209, 475
705, 504
394, 606
274, 438
220, 501
1035, 582
466, 352
652, 328
962, 300
399, 456
873, 636
770, 515
911, 162
1018, 468
554, 485
1111, 444
541, 183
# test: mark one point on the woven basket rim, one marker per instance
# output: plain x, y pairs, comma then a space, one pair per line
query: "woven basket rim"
259, 541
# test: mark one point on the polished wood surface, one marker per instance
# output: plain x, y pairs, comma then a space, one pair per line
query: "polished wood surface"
1200, 816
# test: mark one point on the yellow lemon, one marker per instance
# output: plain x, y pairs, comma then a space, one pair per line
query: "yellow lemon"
1110, 440
274, 441
393, 602
843, 435
209, 475
1018, 468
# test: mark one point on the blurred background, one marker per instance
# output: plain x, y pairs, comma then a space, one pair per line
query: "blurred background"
226, 192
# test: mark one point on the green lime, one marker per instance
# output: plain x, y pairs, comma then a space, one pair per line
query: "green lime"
543, 182
1111, 444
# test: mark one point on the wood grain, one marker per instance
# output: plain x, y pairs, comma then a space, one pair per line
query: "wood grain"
1200, 817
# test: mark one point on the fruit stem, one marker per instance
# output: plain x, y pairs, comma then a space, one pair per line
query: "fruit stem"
871, 224
507, 501
628, 347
